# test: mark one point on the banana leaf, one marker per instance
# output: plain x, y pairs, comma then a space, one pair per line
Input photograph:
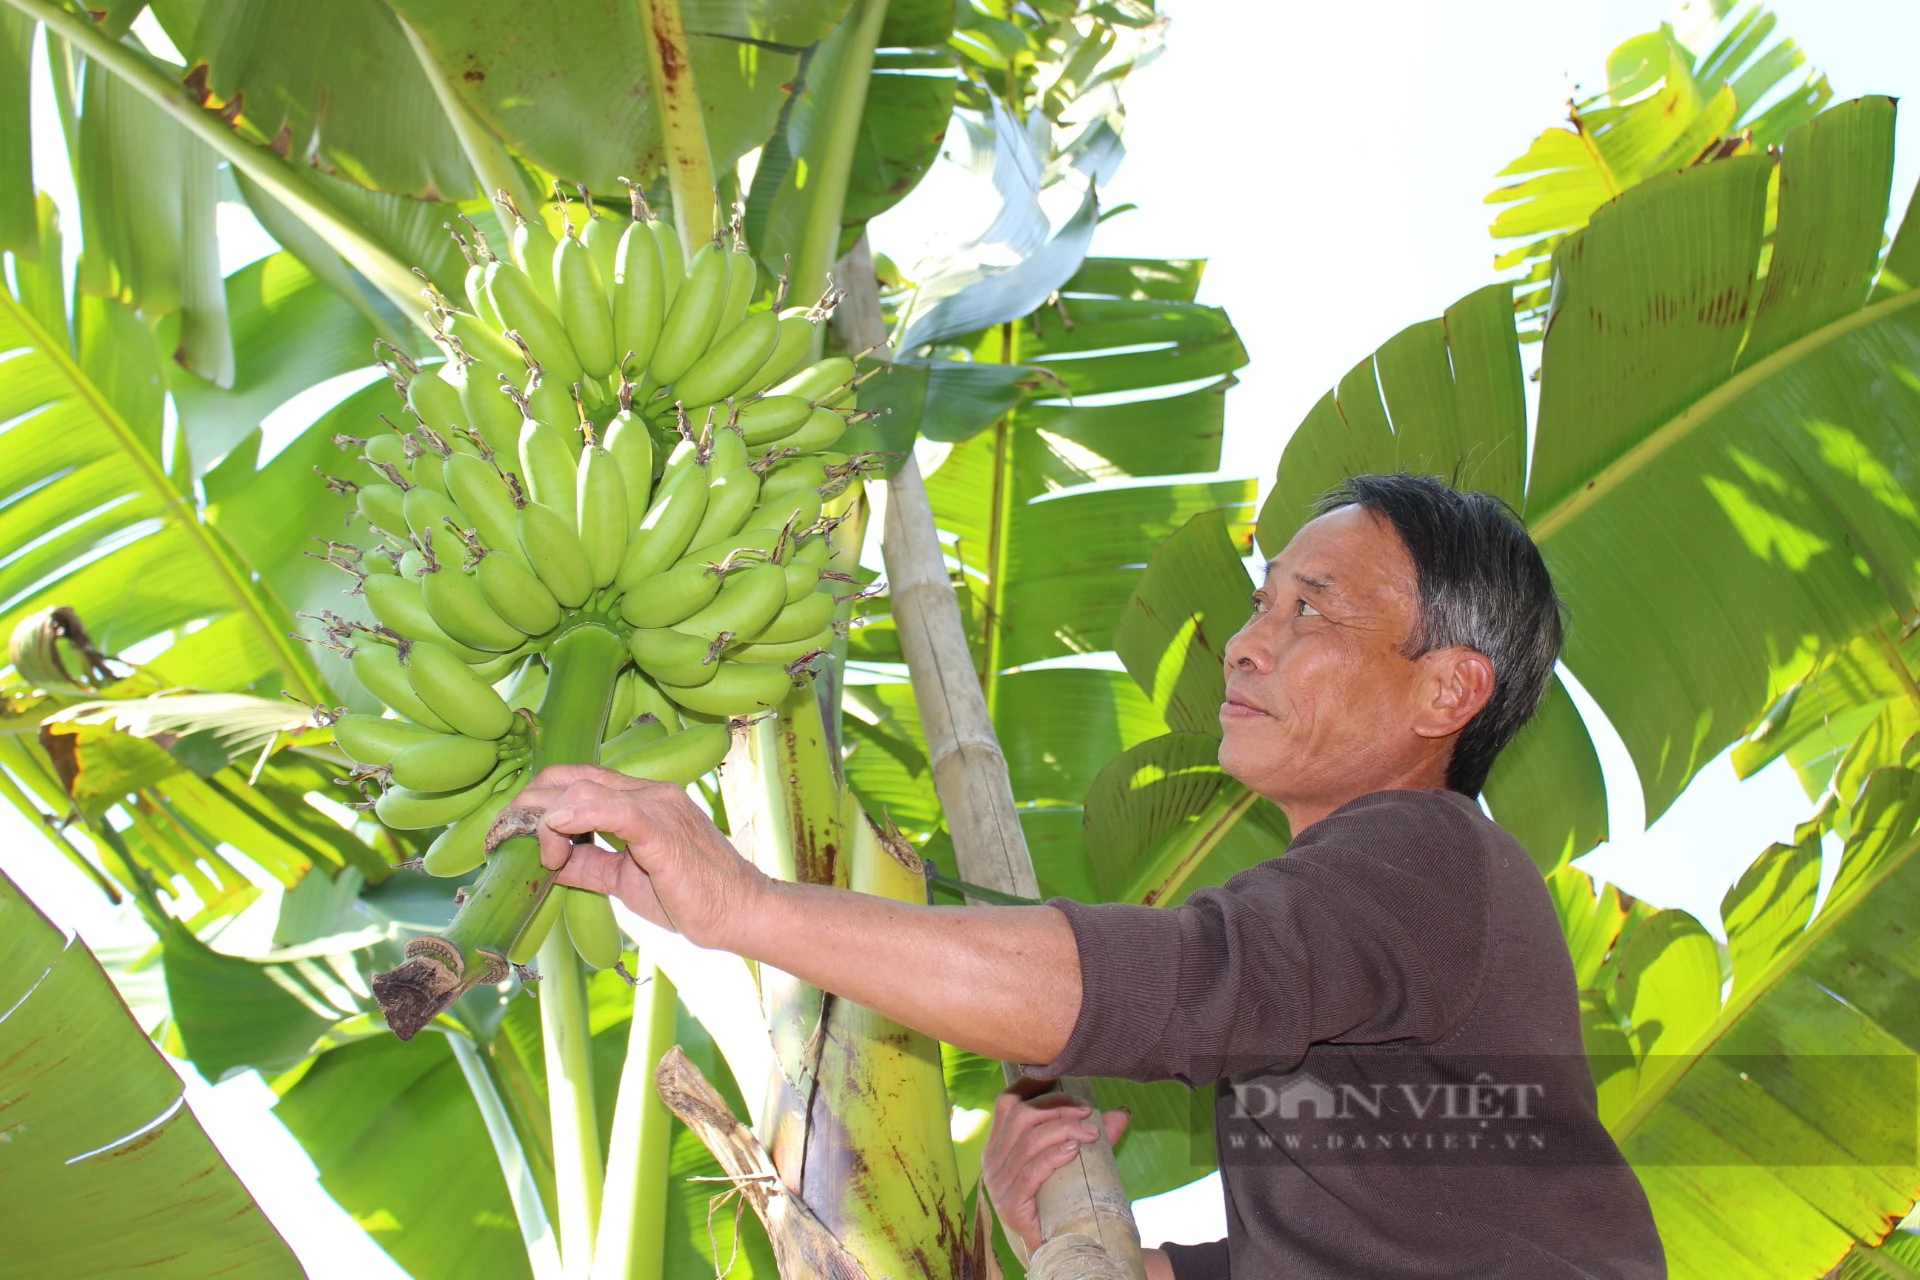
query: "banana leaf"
107, 1171
1711, 474
1664, 108
1773, 1127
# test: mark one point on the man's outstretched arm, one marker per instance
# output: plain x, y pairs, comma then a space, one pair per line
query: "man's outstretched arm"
1003, 982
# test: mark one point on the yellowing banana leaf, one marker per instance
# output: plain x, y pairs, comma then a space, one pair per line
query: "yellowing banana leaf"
107, 1172
1664, 108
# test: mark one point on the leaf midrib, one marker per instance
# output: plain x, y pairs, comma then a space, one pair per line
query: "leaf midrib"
1816, 932
173, 504
1642, 454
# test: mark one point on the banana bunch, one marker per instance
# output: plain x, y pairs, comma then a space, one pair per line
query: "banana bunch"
619, 438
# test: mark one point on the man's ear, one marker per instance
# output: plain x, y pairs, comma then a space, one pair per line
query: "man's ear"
1458, 683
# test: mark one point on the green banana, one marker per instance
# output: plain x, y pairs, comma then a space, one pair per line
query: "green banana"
455, 693
517, 594
388, 451
747, 602
487, 411
743, 280
690, 322
580, 299
399, 604
482, 341
807, 472
649, 701
667, 528
478, 490
672, 657
602, 235
538, 926
728, 451
766, 419
673, 262
753, 538
591, 926
676, 757
498, 666
382, 504
410, 566
729, 498
532, 246
435, 401
730, 361
800, 507
669, 597
447, 763
550, 400
458, 604
526, 313
735, 689
427, 510
377, 668
639, 295
603, 522
529, 686
818, 380
475, 285
554, 551
821, 429
374, 739
405, 809
790, 348
428, 464
462, 846
631, 445
783, 654
639, 732
548, 467
803, 568
797, 621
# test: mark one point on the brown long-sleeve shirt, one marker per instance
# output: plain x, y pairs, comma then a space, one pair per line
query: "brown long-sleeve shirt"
1389, 1018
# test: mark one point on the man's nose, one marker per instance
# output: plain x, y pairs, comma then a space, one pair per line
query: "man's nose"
1246, 650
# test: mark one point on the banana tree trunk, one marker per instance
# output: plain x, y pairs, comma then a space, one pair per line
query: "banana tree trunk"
857, 1118
1084, 1204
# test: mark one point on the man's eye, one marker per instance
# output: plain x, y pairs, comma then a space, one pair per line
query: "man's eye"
1259, 603
1301, 609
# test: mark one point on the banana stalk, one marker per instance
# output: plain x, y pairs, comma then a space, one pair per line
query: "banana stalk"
571, 720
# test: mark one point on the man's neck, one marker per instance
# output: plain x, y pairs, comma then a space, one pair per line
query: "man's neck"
1303, 811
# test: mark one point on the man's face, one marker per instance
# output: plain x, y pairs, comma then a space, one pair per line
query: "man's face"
1321, 703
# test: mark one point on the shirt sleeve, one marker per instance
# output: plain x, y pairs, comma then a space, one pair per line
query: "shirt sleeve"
1198, 1261
1324, 944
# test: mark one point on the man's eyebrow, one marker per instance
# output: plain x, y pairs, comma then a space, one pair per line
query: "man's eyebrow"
1314, 584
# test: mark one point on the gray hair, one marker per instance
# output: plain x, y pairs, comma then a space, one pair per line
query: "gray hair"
1483, 585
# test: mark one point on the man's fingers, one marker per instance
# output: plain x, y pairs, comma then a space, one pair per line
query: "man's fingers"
593, 868
1116, 1122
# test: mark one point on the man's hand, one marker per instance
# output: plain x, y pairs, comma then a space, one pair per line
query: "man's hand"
1030, 1138
678, 872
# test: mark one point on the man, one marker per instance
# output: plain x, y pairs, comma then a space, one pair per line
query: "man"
1388, 1011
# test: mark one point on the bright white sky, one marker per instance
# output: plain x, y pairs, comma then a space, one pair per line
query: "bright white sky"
1329, 161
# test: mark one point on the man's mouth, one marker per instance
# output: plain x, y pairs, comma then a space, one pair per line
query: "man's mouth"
1237, 707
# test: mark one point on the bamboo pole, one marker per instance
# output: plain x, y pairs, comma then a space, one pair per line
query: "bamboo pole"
1083, 1204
